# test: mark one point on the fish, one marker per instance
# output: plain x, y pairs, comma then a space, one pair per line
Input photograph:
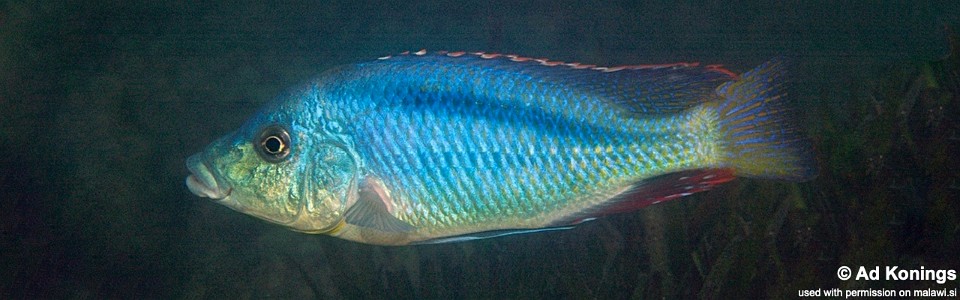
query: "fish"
435, 147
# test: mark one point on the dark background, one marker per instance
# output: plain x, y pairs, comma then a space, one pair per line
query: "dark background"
101, 103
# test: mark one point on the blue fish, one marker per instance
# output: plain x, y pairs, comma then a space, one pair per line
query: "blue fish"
452, 146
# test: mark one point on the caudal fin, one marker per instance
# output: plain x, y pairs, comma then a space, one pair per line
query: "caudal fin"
761, 139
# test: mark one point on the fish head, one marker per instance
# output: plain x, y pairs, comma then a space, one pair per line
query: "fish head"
280, 169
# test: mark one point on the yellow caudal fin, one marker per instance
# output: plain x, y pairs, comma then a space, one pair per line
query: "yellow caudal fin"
761, 139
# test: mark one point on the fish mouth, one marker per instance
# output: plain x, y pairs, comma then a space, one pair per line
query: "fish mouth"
202, 182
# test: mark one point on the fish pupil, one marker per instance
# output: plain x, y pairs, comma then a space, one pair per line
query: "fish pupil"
273, 145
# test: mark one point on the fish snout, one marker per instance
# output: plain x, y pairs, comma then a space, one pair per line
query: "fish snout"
202, 181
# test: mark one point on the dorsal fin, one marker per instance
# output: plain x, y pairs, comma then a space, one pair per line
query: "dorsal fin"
643, 89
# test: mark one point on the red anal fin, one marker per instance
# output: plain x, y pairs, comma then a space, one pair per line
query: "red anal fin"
667, 187
652, 191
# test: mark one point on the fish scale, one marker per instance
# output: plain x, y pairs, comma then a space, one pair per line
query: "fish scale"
453, 146
592, 170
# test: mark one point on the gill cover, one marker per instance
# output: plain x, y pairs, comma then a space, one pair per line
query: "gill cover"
330, 182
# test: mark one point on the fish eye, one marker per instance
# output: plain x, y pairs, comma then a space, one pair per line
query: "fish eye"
273, 144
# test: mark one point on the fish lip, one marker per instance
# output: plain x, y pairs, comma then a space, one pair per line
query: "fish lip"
203, 182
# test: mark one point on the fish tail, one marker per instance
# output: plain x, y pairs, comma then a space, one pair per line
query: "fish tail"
760, 137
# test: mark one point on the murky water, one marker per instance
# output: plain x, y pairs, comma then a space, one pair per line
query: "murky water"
100, 105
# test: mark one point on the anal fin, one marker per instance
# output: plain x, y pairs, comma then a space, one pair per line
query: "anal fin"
655, 190
670, 187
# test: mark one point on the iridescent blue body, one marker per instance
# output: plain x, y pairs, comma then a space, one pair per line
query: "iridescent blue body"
449, 146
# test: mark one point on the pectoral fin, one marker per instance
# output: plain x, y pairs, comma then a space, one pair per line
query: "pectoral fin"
371, 209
